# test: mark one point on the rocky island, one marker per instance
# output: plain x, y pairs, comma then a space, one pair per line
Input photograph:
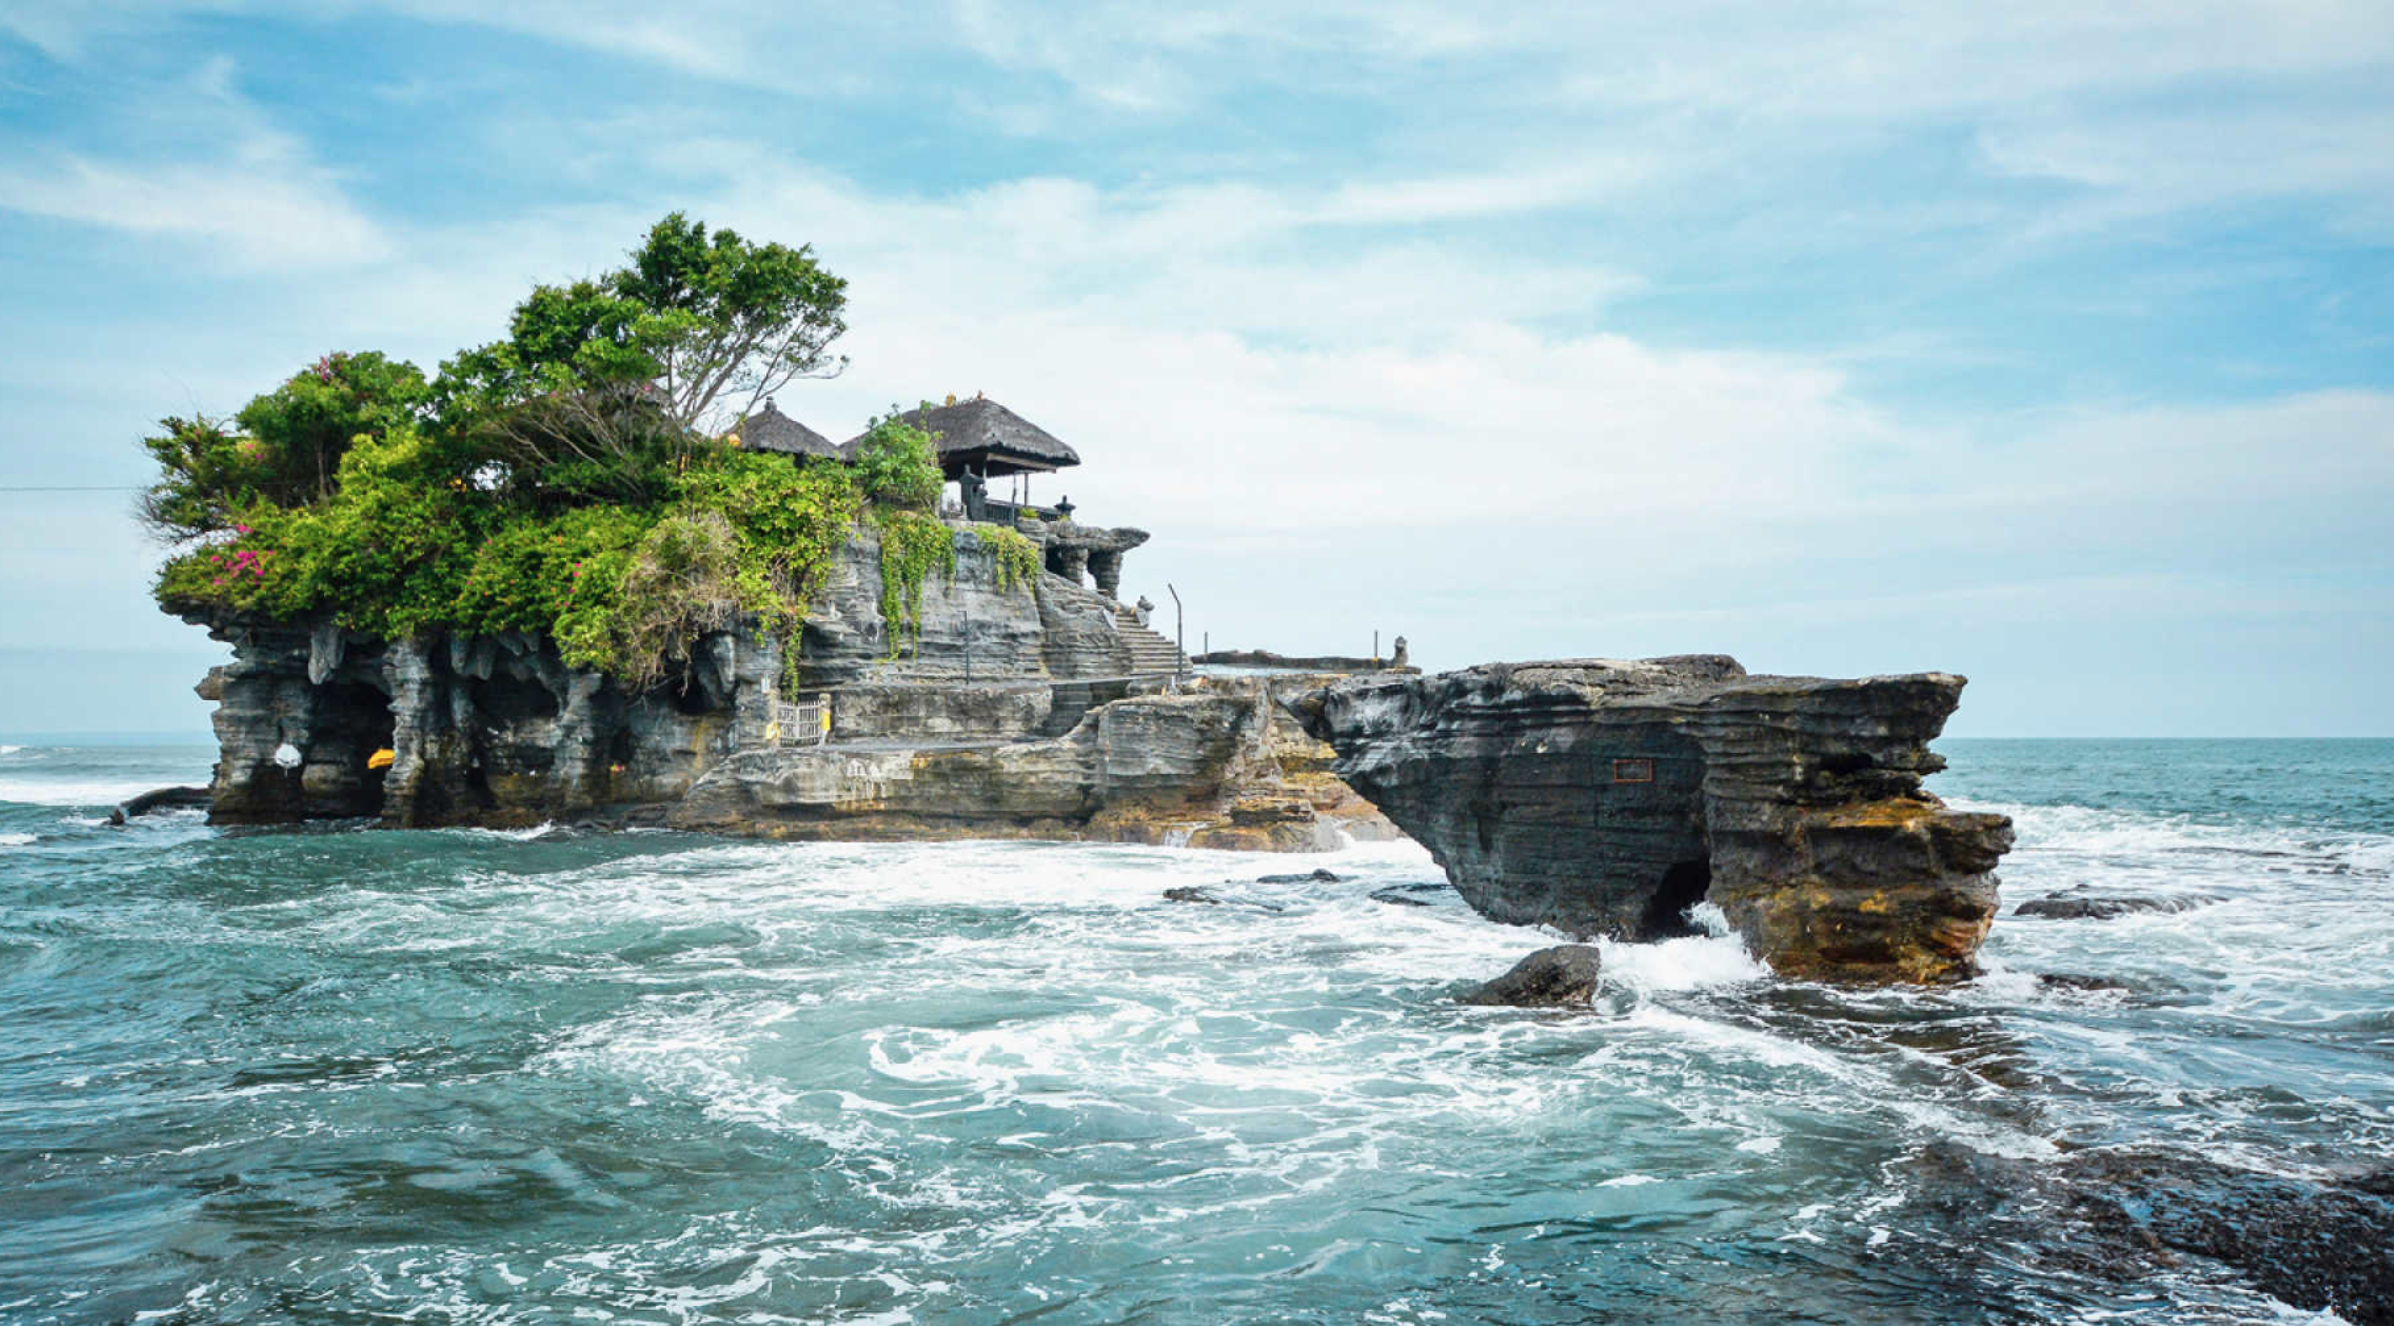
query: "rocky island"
593, 573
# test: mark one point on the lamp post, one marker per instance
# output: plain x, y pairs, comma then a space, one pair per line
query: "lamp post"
1180, 636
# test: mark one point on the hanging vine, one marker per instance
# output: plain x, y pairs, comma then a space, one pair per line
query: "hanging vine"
912, 546
1019, 560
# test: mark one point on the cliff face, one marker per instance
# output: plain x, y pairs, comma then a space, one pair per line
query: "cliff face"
1015, 714
1605, 797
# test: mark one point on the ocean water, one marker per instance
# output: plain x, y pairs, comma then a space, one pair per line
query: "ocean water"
349, 1075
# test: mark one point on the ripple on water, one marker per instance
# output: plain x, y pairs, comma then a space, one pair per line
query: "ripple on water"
461, 1075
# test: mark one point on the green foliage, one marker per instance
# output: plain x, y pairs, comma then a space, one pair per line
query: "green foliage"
912, 546
1018, 558
562, 574
289, 447
211, 474
380, 553
682, 582
897, 465
558, 482
734, 321
606, 388
307, 424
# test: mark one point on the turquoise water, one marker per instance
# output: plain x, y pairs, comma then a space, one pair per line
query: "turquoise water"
344, 1075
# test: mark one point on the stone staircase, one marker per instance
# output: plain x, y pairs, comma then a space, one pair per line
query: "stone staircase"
1149, 652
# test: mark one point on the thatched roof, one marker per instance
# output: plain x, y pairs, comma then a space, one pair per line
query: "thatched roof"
987, 437
771, 430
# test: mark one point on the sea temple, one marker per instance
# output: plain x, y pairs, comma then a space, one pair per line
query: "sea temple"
1014, 695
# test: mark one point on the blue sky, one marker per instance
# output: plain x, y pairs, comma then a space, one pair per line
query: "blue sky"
2046, 345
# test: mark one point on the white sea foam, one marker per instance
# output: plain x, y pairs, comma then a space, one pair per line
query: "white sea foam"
72, 791
1691, 963
17, 840
524, 835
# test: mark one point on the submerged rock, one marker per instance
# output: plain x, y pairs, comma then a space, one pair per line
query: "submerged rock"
2058, 980
164, 798
1408, 895
2080, 905
1311, 877
1606, 797
1563, 976
1190, 893
2123, 1214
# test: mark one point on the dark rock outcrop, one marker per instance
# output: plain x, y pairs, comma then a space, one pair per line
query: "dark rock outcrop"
1190, 893
163, 798
1607, 797
2121, 1215
1563, 976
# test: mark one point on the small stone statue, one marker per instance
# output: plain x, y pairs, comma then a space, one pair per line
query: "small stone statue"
976, 495
1064, 507
1140, 609
1398, 661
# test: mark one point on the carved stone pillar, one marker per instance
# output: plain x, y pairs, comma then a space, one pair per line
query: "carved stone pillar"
1107, 567
1070, 563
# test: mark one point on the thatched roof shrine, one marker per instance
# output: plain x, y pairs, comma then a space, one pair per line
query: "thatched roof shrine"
986, 438
771, 430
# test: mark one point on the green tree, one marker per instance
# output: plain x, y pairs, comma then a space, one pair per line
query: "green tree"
284, 447
734, 321
604, 386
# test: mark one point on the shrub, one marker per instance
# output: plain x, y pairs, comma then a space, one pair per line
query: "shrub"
897, 465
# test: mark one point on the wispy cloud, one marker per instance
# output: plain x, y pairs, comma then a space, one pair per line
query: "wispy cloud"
229, 180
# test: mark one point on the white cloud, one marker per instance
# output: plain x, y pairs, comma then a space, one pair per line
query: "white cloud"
252, 206
228, 179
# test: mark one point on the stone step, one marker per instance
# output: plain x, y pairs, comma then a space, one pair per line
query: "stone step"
1149, 650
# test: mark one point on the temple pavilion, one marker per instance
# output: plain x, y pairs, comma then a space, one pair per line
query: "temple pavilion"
980, 440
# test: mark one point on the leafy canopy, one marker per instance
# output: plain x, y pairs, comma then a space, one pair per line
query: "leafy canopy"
288, 448
566, 480
603, 385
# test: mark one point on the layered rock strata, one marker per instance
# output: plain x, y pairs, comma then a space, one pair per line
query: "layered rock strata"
1606, 797
1015, 713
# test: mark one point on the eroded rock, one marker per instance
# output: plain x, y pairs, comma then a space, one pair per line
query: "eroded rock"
1016, 716
1606, 797
1563, 976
